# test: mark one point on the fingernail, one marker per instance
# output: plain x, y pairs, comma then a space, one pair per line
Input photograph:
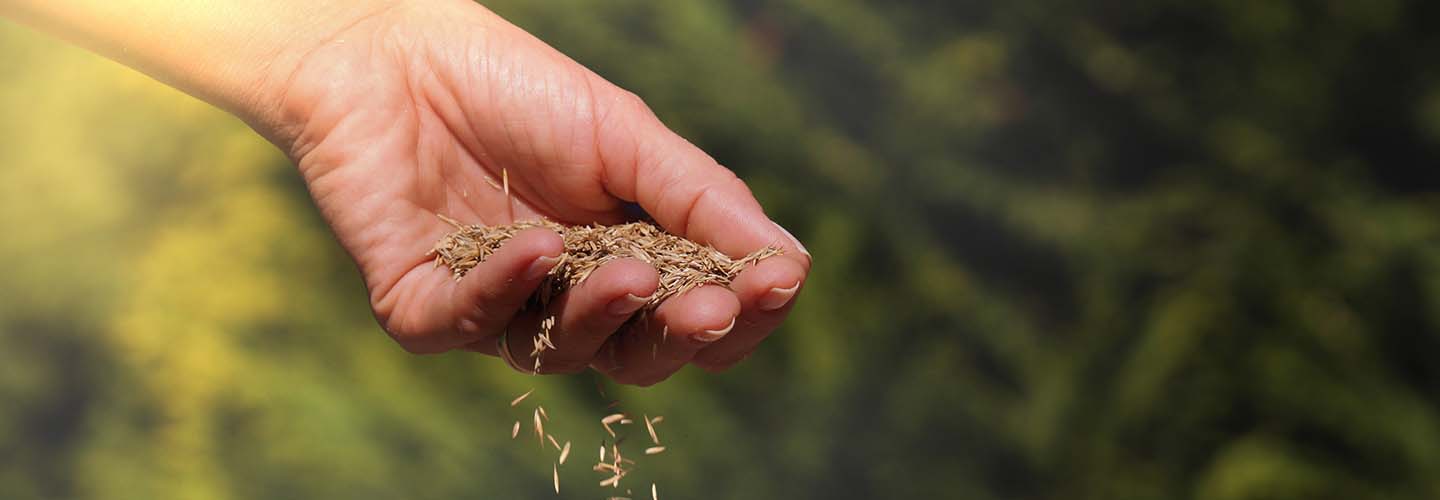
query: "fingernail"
626, 305
713, 335
793, 239
540, 267
777, 297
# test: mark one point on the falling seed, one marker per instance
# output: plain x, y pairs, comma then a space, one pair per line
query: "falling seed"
552, 441
626, 421
654, 494
654, 450
544, 415
555, 473
521, 398
611, 481
651, 428
602, 452
515, 431
610, 420
492, 183
657, 419
505, 182
564, 452
539, 428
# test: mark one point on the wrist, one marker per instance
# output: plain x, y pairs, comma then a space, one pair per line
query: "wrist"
258, 86
236, 55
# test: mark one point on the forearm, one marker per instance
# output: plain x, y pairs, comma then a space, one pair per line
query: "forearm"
231, 53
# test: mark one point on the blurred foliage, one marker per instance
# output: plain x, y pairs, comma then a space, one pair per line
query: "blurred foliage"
1072, 250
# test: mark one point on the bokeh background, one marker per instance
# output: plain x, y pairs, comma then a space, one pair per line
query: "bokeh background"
1065, 250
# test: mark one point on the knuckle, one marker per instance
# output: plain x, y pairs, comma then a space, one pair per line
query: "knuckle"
732, 181
632, 102
469, 328
482, 318
418, 346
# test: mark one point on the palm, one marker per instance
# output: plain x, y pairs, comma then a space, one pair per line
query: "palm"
409, 115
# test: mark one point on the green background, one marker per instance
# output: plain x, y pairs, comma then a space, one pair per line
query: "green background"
1064, 250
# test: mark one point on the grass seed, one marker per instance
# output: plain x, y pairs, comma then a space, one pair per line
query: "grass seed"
683, 264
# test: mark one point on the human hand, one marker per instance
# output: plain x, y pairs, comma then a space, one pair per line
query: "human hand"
421, 108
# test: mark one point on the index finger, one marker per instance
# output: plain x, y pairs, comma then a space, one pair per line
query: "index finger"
685, 190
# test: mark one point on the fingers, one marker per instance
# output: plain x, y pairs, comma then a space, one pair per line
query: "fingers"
766, 293
659, 346
586, 316
690, 194
679, 185
488, 297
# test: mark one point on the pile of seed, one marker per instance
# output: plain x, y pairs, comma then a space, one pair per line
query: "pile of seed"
683, 264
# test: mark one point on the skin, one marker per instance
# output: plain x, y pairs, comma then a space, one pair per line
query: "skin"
394, 112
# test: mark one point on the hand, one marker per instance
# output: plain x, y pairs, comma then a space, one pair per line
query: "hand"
421, 108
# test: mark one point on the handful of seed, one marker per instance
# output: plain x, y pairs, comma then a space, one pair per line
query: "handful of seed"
682, 264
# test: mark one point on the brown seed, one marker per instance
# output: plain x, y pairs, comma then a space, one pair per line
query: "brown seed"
654, 450
683, 264
521, 398
555, 472
650, 426
612, 418
542, 413
515, 431
611, 481
564, 452
551, 437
